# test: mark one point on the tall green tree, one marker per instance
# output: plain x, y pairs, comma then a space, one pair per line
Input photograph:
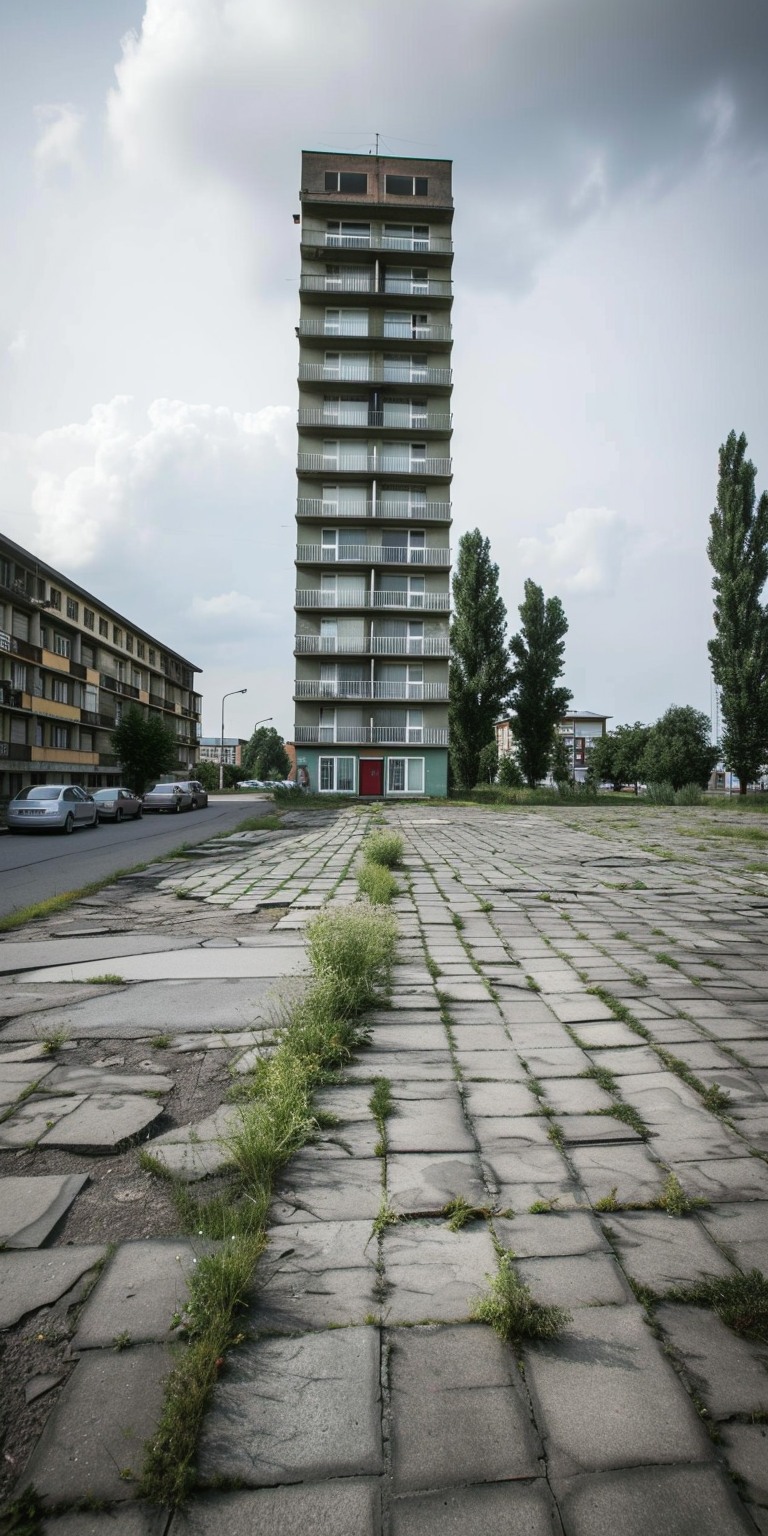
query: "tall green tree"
480, 674
561, 760
617, 756
146, 747
265, 756
738, 551
537, 700
679, 750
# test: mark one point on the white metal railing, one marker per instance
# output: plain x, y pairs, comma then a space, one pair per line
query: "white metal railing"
333, 645
360, 325
5, 641
357, 282
371, 554
400, 421
370, 464
434, 602
317, 598
312, 688
365, 372
371, 240
418, 511
383, 735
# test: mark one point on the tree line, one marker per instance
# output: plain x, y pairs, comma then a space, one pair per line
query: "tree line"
491, 676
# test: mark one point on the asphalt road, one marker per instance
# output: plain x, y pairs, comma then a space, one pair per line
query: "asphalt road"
34, 865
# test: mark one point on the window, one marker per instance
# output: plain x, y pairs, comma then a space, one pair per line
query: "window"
60, 735
89, 618
152, 661
406, 186
19, 625
337, 774
91, 698
39, 738
55, 598
62, 645
346, 181
351, 236
87, 655
73, 609
129, 643
347, 322
86, 741
140, 649
60, 691
103, 628
405, 775
117, 635
19, 676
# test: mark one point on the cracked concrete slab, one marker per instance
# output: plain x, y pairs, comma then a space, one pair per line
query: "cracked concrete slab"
32, 1205
36, 1278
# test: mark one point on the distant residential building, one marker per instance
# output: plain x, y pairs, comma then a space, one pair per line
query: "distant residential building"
210, 750
582, 724
69, 666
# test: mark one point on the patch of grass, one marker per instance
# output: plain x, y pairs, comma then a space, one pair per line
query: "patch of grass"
627, 1115
533, 984
555, 1134
53, 1038
457, 920
674, 1200
716, 1099
619, 934
460, 1212
160, 1042
381, 1101
664, 959
543, 896
543, 1207
24, 1517
432, 967
258, 824
150, 1164
122, 1341
510, 1309
385, 848
385, 1217
740, 1301
603, 1077
377, 883
486, 906
620, 1011
109, 979
608, 1202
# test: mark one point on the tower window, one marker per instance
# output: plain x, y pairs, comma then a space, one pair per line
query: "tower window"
406, 186
346, 181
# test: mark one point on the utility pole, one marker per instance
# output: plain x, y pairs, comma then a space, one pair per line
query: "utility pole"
221, 758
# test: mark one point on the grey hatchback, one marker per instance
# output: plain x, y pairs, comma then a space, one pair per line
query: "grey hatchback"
51, 807
114, 804
199, 795
168, 797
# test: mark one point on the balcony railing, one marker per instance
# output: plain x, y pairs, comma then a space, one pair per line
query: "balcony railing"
11, 697
378, 421
114, 685
370, 735
376, 327
418, 511
20, 647
5, 641
314, 597
373, 241
358, 282
312, 688
370, 554
366, 372
15, 749
371, 645
371, 464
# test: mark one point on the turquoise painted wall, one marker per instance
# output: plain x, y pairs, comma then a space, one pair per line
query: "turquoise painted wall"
435, 766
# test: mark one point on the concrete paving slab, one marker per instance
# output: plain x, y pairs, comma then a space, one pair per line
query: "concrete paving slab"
432, 1274
33, 1279
594, 1130
458, 1412
31, 1206
18, 1077
576, 1280
630, 1171
489, 1100
605, 1397
578, 1010
527, 1164
291, 1410
142, 1287
742, 1230
349, 1103
491, 1066
729, 1372
27, 956
24, 1053
424, 1183
639, 1060
36, 1115
349, 1507
554, 1235
490, 1509
191, 1161
726, 1179
107, 1411
746, 1446
310, 1188
92, 1080
667, 1501
435, 1125
167, 1007
408, 1037
189, 964
129, 1520
603, 1036
316, 1275
563, 1061
103, 1123
576, 1095
659, 1251
400, 1066
498, 1133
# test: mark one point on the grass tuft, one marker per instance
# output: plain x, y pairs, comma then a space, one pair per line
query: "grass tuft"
674, 1200
608, 1202
160, 1042
511, 1310
740, 1301
460, 1212
377, 883
109, 978
53, 1038
384, 848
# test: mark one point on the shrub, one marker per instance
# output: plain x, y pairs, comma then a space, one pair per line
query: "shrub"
509, 775
384, 848
377, 883
690, 794
352, 947
511, 1310
660, 794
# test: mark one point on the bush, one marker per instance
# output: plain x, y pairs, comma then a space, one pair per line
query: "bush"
377, 883
509, 775
352, 946
690, 794
511, 1310
660, 794
383, 848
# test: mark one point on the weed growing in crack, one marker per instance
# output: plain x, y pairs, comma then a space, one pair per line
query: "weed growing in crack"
457, 920
110, 978
377, 883
460, 1212
627, 1115
384, 848
510, 1309
604, 1078
385, 1217
543, 1207
740, 1301
53, 1038
674, 1200
608, 1202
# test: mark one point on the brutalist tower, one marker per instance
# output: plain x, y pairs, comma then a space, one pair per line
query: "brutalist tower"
374, 473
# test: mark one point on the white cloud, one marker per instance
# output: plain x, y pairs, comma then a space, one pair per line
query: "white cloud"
17, 346
229, 613
583, 553
58, 146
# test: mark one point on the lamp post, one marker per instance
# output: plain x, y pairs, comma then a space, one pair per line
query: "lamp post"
221, 759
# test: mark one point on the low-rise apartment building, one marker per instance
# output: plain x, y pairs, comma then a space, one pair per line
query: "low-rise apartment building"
210, 750
69, 665
580, 727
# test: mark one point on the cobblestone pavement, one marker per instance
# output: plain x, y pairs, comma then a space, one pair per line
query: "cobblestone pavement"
577, 1045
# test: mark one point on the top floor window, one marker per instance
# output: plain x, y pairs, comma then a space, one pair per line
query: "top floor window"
117, 635
152, 661
73, 609
140, 649
62, 645
55, 598
346, 181
103, 628
406, 186
129, 642
89, 618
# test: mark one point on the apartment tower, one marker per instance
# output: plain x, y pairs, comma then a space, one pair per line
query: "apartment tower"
374, 474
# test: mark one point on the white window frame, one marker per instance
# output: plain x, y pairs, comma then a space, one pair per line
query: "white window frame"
346, 757
391, 761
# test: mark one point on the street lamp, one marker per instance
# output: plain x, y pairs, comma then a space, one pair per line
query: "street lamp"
221, 759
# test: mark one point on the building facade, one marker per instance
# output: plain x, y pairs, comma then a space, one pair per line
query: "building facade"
210, 750
69, 665
374, 475
579, 727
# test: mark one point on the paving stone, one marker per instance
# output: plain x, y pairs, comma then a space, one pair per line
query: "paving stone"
31, 1205
311, 1189
490, 1066
490, 1509
605, 1397
746, 1446
576, 1096
639, 1060
316, 1275
604, 1035
726, 1179
33, 1279
563, 1061
350, 1507
400, 1066
291, 1410
103, 1123
659, 1251
665, 1501
577, 1280
589, 1130
167, 1007
89, 1080
481, 1037
731, 1373
551, 1236
527, 1163
408, 1037
187, 963
657, 1093
142, 1287
18, 1076
349, 1103
631, 1171
34, 1117
437, 1125
107, 1411
421, 1184
578, 1010
191, 1161
742, 1230
491, 1099
458, 1411
500, 1134
432, 1274
136, 1520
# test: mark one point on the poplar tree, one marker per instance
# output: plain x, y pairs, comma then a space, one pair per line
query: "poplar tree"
480, 674
537, 701
738, 552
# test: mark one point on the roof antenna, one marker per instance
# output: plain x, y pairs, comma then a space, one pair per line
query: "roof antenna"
377, 144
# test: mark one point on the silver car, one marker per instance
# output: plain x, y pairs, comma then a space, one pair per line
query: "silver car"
168, 797
199, 795
51, 808
114, 804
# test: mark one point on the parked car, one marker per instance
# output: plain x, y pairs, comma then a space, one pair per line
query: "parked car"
168, 797
251, 784
114, 804
198, 793
51, 807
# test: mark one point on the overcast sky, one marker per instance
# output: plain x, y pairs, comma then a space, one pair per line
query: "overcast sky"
610, 178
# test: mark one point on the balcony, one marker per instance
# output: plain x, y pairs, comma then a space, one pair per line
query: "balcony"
370, 554
366, 372
373, 241
355, 282
372, 464
374, 327
11, 698
401, 511
20, 648
114, 685
311, 688
372, 735
314, 597
376, 421
371, 645
15, 751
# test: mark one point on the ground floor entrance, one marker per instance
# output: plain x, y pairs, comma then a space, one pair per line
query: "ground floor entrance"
371, 776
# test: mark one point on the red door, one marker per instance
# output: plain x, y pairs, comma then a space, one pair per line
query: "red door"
371, 775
